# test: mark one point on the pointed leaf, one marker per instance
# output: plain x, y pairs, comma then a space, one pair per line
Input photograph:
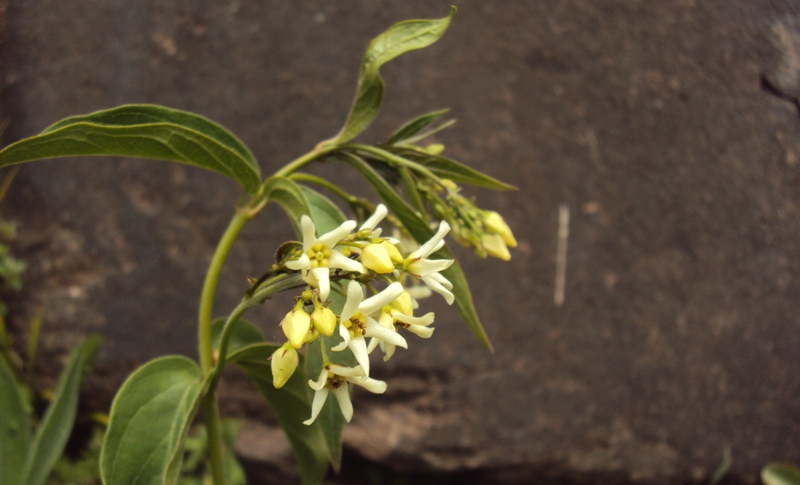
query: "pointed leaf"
398, 39
149, 420
292, 406
414, 127
15, 428
780, 474
144, 131
325, 214
421, 232
450, 169
54, 430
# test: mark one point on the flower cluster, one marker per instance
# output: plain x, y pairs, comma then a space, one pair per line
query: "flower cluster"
485, 231
357, 263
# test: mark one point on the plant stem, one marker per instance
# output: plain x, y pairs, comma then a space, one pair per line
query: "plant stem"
210, 288
216, 451
298, 163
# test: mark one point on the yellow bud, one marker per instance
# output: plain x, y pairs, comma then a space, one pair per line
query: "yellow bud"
284, 362
376, 258
495, 224
394, 253
434, 148
296, 325
449, 184
495, 246
404, 304
324, 320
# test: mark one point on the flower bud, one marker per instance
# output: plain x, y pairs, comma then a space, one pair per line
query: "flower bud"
435, 148
404, 303
394, 253
376, 258
324, 320
495, 246
495, 223
284, 362
296, 325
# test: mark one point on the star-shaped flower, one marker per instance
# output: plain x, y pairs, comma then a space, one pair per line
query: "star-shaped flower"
428, 270
334, 378
400, 313
319, 255
356, 323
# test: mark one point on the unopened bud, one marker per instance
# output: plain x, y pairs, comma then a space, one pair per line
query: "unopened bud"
404, 303
495, 223
394, 253
296, 325
284, 362
495, 246
324, 320
434, 148
376, 258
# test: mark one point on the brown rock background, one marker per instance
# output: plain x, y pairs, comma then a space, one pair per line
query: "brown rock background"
670, 128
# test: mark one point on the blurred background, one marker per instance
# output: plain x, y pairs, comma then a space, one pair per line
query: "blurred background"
670, 129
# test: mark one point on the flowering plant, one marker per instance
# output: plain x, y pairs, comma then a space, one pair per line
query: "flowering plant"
357, 285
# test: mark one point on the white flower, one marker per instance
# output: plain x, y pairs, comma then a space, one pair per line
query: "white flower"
356, 323
335, 378
400, 314
319, 255
428, 270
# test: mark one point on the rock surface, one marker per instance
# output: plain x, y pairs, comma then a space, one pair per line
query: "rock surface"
671, 129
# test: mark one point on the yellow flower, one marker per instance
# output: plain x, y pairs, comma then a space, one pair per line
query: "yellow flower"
495, 224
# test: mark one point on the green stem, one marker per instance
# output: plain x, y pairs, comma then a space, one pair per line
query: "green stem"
216, 450
210, 287
300, 162
391, 157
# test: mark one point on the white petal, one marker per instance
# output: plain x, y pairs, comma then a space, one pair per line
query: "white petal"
345, 339
372, 344
427, 266
429, 247
321, 381
302, 263
442, 280
358, 345
340, 261
438, 288
372, 385
375, 329
343, 396
309, 232
418, 292
424, 332
343, 370
424, 320
323, 282
375, 218
316, 406
331, 238
355, 295
388, 350
376, 302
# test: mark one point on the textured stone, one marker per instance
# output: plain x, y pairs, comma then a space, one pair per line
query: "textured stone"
670, 128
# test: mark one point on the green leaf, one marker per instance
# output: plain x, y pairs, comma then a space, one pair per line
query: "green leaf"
54, 430
325, 214
15, 428
420, 230
780, 474
148, 423
243, 334
144, 131
289, 196
398, 39
448, 168
414, 127
410, 187
292, 406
